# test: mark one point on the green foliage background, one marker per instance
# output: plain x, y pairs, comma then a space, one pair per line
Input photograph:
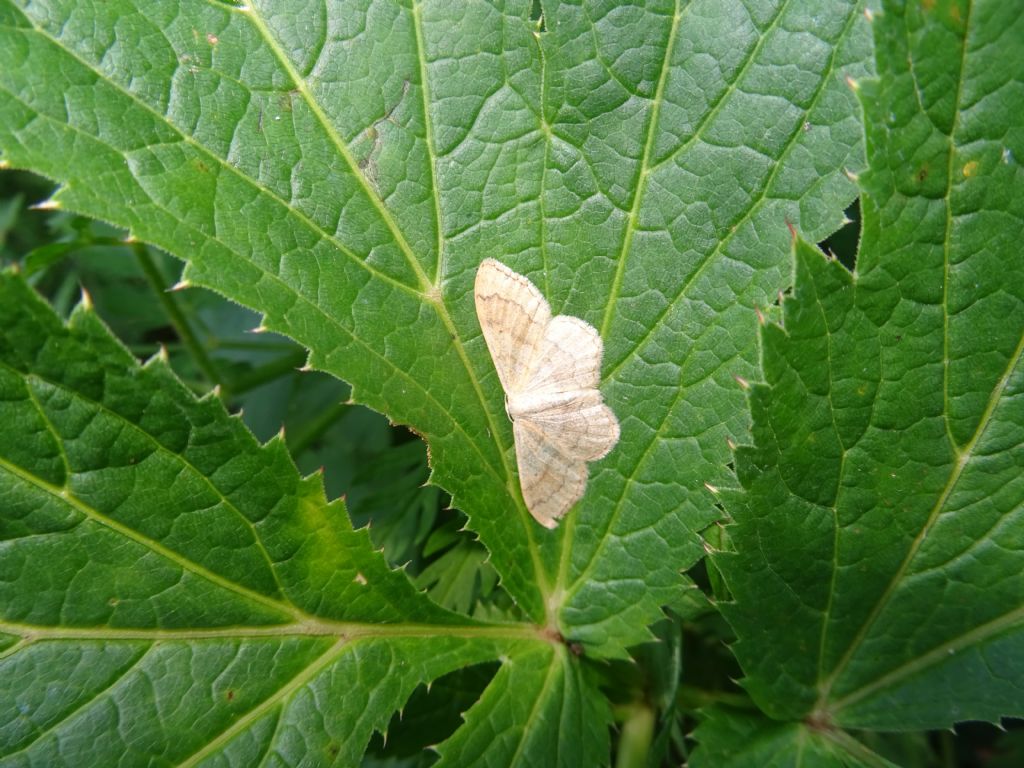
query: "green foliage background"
175, 592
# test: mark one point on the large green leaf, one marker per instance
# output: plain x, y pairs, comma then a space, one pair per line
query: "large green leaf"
174, 593
878, 564
741, 739
344, 167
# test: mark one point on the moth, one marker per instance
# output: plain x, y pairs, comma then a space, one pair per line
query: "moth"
550, 368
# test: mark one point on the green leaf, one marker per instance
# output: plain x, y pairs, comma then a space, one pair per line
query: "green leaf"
738, 739
460, 575
344, 168
542, 708
112, 453
878, 563
174, 593
692, 143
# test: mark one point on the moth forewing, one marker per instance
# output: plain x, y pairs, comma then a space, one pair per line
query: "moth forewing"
549, 368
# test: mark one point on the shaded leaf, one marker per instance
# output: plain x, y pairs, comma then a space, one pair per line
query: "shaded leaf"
739, 739
172, 591
542, 708
878, 564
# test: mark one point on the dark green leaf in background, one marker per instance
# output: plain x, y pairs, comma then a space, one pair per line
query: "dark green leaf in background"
731, 739
174, 592
877, 550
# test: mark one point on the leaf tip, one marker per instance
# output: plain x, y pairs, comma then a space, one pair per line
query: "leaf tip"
45, 205
86, 300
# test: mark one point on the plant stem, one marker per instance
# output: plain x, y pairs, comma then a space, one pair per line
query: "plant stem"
635, 736
174, 314
260, 375
314, 428
690, 698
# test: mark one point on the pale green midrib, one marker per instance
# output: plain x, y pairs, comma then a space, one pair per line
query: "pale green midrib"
546, 131
934, 657
834, 506
570, 685
427, 288
958, 100
158, 448
428, 130
962, 457
960, 464
57, 440
627, 239
642, 170
545, 692
311, 627
801, 746
755, 206
299, 298
187, 565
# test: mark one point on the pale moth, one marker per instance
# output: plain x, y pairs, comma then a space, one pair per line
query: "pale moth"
549, 368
